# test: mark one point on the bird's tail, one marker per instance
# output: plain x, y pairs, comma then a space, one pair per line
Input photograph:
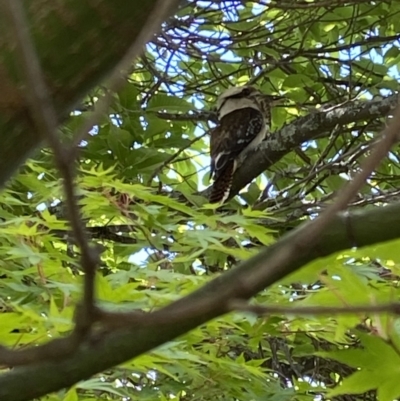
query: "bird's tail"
222, 184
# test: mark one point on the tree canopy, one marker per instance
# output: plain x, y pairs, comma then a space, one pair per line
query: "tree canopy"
198, 302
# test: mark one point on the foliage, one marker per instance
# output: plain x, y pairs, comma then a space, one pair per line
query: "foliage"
142, 174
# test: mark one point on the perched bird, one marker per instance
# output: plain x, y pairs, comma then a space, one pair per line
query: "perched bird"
244, 116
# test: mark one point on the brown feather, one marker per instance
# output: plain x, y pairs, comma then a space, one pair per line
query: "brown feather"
222, 185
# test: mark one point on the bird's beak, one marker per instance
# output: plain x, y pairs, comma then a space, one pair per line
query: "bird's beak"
277, 99
273, 100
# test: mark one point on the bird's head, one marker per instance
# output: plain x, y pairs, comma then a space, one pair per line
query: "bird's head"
239, 97
237, 92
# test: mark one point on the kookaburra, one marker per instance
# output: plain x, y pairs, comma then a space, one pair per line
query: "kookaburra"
244, 117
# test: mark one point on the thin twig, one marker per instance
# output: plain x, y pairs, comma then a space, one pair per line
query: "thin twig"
45, 119
174, 157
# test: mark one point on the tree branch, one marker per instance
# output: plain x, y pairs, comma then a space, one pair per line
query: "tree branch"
304, 129
260, 310
44, 117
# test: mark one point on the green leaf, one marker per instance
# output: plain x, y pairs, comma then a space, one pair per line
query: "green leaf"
297, 81
161, 102
71, 395
389, 389
357, 383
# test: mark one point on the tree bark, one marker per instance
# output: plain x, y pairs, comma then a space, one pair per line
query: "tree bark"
303, 129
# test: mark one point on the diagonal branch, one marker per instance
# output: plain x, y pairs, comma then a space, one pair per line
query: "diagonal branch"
304, 129
44, 116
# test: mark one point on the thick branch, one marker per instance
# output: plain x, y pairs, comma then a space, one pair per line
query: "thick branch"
304, 129
360, 228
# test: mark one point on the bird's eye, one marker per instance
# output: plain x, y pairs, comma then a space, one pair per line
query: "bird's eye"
246, 91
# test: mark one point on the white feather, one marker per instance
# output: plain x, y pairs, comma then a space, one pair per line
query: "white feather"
228, 102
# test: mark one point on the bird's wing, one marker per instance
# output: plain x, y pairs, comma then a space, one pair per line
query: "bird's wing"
234, 134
